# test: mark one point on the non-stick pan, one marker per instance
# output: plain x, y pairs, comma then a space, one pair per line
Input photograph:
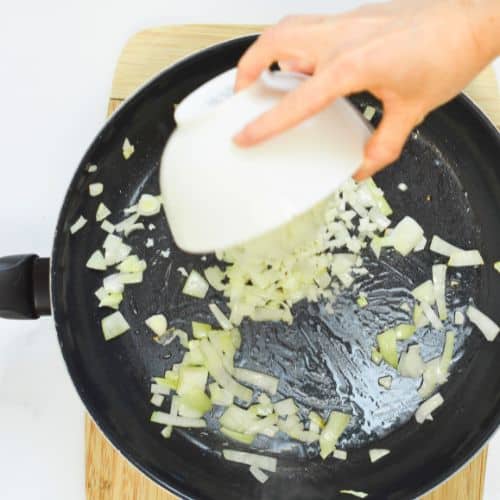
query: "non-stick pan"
450, 165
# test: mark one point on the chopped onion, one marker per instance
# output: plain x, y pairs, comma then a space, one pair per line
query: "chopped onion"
425, 410
439, 280
405, 307
238, 436
112, 300
447, 352
377, 454
127, 149
421, 245
260, 380
362, 301
191, 378
359, 494
102, 212
487, 326
406, 235
385, 382
182, 271
387, 347
158, 324
100, 293
411, 363
419, 318
376, 357
160, 389
150, 242
442, 247
459, 318
107, 226
258, 474
369, 112
285, 407
336, 425
115, 250
220, 317
96, 261
200, 330
132, 264
131, 278
96, 189
237, 419
496, 266
114, 325
220, 396
432, 377
425, 292
431, 316
402, 187
157, 400
148, 205
195, 285
151, 227
91, 169
80, 222
465, 258
260, 461
113, 283
404, 331
125, 224
165, 253
215, 276
216, 369
340, 454
159, 417
316, 419
130, 210
134, 227
194, 403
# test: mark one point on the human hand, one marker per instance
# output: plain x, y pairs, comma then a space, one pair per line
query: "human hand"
413, 55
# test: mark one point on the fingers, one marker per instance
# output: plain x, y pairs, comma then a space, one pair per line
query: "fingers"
307, 99
281, 42
386, 143
305, 67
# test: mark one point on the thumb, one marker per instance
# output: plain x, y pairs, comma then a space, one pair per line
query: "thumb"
386, 143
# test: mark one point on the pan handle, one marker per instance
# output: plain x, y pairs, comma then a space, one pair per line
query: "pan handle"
24, 287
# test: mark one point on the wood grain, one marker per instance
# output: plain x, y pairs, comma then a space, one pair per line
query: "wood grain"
108, 475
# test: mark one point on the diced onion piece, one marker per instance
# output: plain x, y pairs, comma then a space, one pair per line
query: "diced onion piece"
96, 261
215, 276
191, 378
96, 189
387, 347
439, 280
115, 250
432, 377
442, 247
102, 212
127, 149
114, 325
260, 380
195, 285
376, 357
447, 352
421, 244
220, 317
100, 293
131, 278
134, 227
159, 417
425, 292
406, 235
91, 169
411, 363
425, 410
80, 222
466, 258
165, 253
107, 226
316, 419
496, 266
286, 407
200, 330
358, 494
160, 389
431, 316
404, 331
112, 300
113, 283
459, 318
260, 461
196, 401
340, 454
220, 396
362, 301
130, 210
148, 205
158, 324
419, 318
126, 223
377, 453
238, 419
378, 196
402, 187
150, 242
157, 400
304, 436
258, 474
261, 424
132, 264
336, 425
238, 436
385, 382
369, 112
167, 431
405, 307
216, 369
487, 326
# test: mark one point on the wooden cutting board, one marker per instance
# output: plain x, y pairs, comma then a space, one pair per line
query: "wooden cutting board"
108, 475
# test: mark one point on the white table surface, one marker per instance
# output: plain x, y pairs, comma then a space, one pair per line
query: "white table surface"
57, 62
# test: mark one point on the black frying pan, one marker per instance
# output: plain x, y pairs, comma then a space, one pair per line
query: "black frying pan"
451, 167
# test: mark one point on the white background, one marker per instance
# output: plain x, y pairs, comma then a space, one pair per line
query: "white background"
57, 62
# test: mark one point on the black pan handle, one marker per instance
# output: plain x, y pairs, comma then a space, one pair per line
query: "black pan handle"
24, 287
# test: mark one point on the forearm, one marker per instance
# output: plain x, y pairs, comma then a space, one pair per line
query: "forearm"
484, 16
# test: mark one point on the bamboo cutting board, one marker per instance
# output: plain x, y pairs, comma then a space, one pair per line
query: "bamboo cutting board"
108, 475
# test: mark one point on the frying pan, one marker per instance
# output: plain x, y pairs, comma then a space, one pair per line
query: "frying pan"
450, 164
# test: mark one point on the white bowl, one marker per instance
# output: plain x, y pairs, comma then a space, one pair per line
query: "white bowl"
217, 195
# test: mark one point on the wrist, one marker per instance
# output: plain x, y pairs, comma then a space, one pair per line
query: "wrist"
484, 21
